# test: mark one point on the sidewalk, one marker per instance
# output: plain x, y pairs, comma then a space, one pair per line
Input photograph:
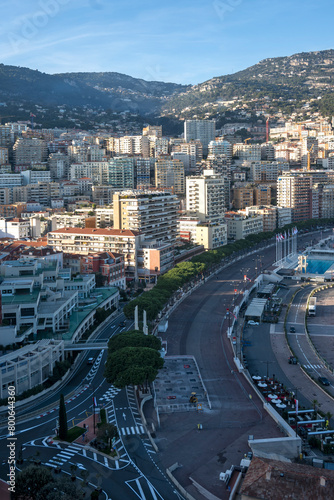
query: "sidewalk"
89, 435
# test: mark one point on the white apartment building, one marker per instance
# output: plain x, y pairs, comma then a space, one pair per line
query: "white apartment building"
35, 176
30, 366
14, 228
267, 171
130, 145
187, 227
238, 226
98, 171
247, 152
10, 180
67, 220
268, 214
205, 196
104, 217
158, 146
284, 216
221, 147
92, 240
153, 213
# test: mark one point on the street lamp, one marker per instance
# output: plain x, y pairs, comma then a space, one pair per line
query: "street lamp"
296, 406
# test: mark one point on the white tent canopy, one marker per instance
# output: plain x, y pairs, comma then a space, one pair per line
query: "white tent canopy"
255, 309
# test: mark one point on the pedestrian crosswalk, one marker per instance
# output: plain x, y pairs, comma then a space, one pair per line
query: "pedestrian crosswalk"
110, 394
65, 455
313, 366
127, 431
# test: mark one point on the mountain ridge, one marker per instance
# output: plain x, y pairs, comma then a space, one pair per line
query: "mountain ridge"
284, 82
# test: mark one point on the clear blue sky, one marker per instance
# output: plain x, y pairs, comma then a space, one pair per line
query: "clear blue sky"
178, 41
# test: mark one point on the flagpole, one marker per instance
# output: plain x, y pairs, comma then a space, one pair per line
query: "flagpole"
94, 408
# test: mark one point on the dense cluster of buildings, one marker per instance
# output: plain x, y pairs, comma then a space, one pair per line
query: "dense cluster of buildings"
118, 208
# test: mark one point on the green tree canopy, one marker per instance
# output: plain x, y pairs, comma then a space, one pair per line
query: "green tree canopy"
132, 365
133, 338
38, 483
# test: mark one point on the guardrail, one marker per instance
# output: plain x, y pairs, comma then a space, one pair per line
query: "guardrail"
309, 339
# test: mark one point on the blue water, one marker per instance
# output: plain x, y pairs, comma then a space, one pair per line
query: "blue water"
318, 266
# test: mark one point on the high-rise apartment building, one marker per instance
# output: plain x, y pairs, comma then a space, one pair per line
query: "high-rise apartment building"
152, 213
205, 196
121, 173
169, 174
3, 156
144, 171
294, 190
221, 147
29, 151
6, 136
203, 130
58, 165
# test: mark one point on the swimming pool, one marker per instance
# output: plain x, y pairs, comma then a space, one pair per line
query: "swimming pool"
318, 266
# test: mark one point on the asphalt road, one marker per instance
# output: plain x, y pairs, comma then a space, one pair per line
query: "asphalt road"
198, 327
134, 474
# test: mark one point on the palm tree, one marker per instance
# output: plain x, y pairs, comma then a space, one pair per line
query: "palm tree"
315, 404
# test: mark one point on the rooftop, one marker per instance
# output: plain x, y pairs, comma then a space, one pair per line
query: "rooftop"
101, 232
275, 480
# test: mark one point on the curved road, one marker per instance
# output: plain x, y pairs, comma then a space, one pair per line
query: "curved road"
198, 327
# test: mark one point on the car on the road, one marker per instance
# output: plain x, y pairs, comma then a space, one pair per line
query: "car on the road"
171, 397
324, 381
90, 361
234, 340
122, 324
292, 360
254, 323
292, 329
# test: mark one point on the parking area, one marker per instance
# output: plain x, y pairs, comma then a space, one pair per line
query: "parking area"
179, 386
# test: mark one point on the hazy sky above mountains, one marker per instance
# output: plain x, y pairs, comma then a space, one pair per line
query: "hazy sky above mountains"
181, 42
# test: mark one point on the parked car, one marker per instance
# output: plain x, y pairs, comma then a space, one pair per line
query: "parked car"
292, 329
324, 381
90, 361
292, 360
254, 323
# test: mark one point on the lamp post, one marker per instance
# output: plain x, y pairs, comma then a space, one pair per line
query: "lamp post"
296, 405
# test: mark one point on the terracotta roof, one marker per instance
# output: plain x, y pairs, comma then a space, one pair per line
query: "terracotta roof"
274, 480
93, 230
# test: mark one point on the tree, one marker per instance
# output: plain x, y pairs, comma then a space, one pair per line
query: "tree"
132, 365
133, 338
62, 419
106, 432
30, 481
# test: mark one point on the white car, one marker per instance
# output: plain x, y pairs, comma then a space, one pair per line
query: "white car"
254, 323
